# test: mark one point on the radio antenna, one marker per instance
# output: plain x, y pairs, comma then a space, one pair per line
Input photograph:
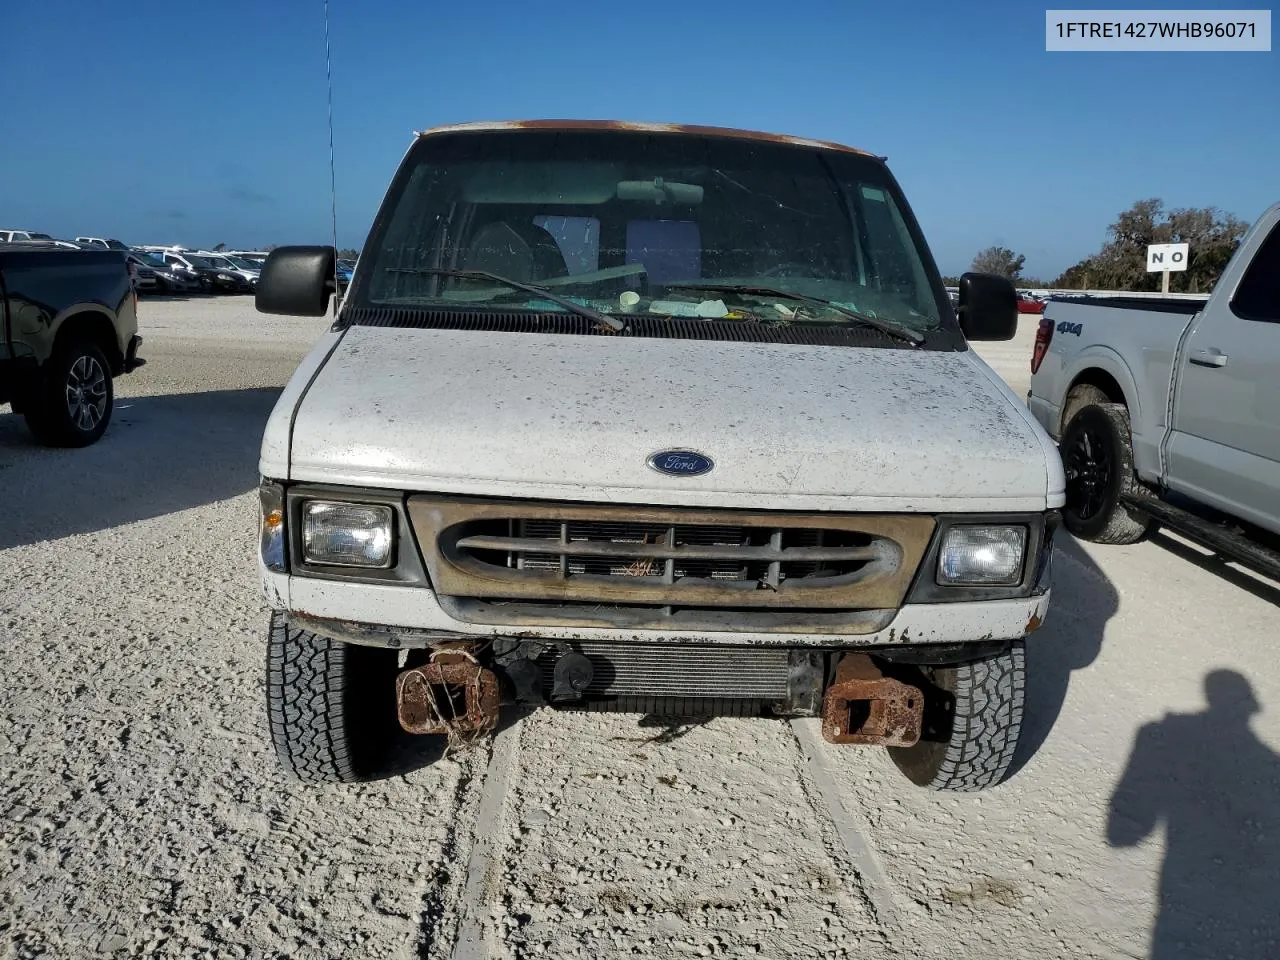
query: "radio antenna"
333, 181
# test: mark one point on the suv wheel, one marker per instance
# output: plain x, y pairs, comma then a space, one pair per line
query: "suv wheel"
71, 404
973, 715
331, 706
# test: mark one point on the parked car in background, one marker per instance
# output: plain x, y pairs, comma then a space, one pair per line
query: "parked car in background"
343, 270
155, 276
245, 269
167, 279
103, 243
1030, 304
69, 326
256, 256
1167, 410
17, 236
191, 268
214, 277
144, 275
446, 526
249, 266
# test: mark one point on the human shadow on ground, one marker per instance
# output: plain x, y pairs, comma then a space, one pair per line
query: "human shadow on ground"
159, 455
1215, 788
1069, 640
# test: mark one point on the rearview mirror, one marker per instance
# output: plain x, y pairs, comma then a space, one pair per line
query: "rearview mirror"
658, 190
988, 307
296, 281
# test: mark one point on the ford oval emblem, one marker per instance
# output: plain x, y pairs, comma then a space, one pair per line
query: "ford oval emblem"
681, 463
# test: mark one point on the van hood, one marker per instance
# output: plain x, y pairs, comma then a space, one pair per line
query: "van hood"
577, 418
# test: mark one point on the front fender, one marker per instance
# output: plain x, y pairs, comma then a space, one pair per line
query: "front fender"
1109, 361
1146, 420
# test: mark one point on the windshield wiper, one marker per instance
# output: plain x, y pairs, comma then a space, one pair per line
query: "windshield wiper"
885, 326
613, 323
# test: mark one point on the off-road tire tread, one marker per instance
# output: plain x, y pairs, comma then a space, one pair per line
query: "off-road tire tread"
989, 696
323, 708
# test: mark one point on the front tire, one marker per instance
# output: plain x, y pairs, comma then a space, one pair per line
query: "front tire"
330, 705
71, 403
1097, 457
973, 716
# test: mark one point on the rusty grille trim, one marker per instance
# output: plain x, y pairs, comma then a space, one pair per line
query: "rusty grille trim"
899, 543
657, 551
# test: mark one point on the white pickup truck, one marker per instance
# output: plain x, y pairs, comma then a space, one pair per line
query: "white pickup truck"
1169, 410
658, 419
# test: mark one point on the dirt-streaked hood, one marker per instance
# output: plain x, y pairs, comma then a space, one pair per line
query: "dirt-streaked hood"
577, 418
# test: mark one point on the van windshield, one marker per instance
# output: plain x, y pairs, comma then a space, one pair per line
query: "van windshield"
673, 224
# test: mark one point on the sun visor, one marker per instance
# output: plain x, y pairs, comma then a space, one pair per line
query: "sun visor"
524, 181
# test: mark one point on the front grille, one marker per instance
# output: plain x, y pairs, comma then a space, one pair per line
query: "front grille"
675, 552
668, 561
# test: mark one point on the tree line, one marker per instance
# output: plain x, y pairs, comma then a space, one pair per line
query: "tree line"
1121, 264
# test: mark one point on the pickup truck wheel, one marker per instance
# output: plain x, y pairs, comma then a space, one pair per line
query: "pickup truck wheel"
330, 705
71, 405
973, 716
1097, 456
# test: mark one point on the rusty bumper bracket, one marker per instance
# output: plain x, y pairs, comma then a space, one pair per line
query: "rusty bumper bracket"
447, 696
864, 706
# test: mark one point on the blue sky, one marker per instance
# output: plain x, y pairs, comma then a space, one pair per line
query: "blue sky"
198, 123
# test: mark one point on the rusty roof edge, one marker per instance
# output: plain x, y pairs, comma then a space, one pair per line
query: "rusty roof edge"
642, 127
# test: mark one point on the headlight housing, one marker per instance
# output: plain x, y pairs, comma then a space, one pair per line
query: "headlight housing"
982, 555
271, 526
348, 534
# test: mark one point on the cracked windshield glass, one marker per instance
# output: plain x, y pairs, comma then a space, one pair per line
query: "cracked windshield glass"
667, 225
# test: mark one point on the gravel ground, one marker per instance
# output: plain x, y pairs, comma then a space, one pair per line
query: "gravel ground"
143, 813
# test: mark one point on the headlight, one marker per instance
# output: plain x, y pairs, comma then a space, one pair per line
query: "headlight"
982, 555
225, 276
346, 534
271, 498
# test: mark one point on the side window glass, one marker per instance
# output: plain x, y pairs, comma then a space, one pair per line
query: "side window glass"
1258, 296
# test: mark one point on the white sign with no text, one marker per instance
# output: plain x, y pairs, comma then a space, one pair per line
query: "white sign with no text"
1167, 256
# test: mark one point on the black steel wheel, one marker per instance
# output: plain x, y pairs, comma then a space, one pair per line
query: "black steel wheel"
1097, 457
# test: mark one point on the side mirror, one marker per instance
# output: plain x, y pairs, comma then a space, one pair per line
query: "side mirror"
988, 307
296, 281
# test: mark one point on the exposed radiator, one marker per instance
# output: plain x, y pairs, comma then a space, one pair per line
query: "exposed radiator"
671, 670
673, 706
